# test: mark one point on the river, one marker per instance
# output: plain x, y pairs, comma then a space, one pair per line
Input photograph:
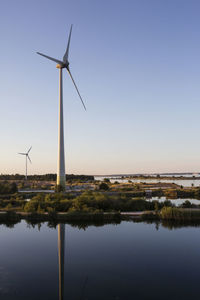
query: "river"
181, 182
114, 261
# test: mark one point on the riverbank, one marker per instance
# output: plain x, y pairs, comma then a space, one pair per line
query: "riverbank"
167, 213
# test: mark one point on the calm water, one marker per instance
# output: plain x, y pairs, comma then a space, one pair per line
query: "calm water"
176, 202
184, 182
124, 261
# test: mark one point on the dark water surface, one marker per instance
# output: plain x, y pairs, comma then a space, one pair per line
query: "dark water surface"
124, 261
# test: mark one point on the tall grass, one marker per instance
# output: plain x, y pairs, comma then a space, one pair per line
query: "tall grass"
172, 213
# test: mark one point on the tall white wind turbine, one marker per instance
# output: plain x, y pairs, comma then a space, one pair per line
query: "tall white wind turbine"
64, 64
27, 156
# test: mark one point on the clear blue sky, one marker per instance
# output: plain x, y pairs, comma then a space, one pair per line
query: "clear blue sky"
137, 65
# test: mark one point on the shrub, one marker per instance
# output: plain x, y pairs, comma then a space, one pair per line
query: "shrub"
106, 180
197, 193
9, 206
103, 186
40, 210
187, 204
167, 203
31, 206
172, 213
156, 206
49, 209
8, 188
171, 193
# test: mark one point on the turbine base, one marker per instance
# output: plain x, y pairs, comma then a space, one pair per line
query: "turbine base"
61, 180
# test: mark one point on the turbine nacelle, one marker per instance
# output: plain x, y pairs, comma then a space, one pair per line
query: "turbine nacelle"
62, 66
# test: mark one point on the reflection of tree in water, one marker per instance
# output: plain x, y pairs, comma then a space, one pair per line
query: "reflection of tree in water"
170, 224
84, 225
179, 224
157, 224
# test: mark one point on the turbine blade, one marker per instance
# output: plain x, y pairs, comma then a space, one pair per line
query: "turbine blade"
51, 58
29, 150
29, 159
22, 153
76, 87
65, 57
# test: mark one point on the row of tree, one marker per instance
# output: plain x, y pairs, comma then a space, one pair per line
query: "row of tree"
46, 177
86, 202
8, 188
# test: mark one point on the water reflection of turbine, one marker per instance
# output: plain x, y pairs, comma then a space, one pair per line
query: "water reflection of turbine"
61, 258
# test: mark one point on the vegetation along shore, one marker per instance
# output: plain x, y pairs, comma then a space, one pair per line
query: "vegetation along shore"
105, 201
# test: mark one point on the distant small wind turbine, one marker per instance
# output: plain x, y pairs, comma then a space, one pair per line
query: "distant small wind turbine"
64, 64
27, 156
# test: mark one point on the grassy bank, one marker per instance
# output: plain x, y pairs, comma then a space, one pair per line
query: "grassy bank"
172, 213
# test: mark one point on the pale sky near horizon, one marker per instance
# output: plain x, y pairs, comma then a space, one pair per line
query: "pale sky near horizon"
137, 66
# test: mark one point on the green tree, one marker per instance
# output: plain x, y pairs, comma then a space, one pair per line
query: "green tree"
106, 180
40, 210
187, 204
31, 206
156, 206
9, 206
103, 186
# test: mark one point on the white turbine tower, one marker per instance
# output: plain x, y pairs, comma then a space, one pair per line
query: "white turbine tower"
64, 64
27, 156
